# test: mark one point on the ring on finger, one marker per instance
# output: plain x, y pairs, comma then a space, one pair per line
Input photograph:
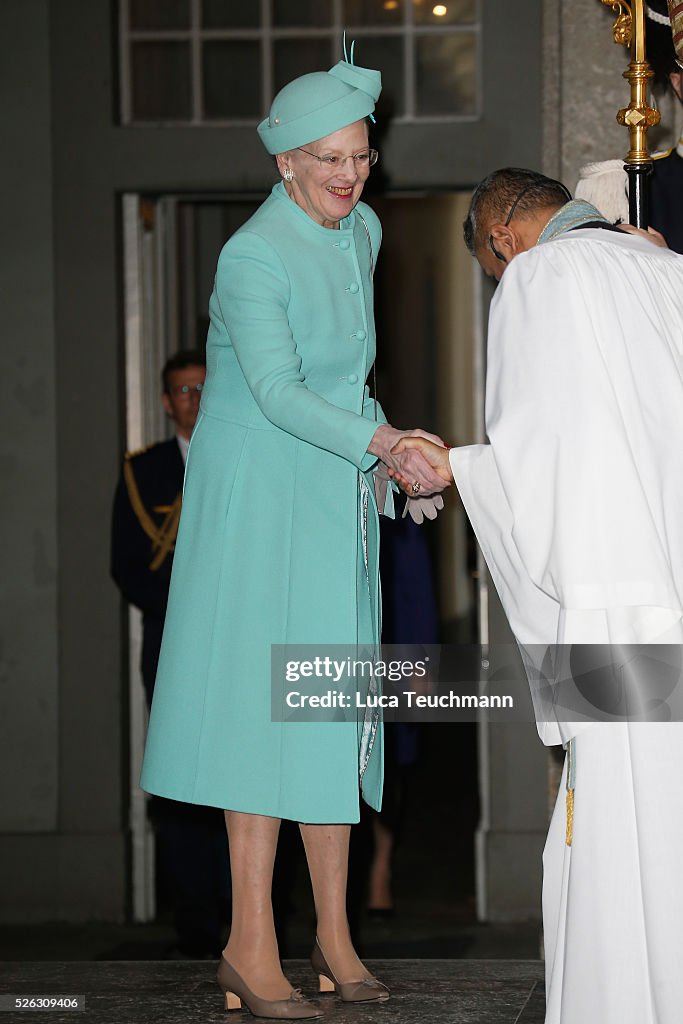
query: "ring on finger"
416, 487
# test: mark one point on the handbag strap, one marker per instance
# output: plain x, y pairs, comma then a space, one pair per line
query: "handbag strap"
367, 232
372, 274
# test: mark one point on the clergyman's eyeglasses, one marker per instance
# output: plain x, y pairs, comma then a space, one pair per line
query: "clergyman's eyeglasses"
496, 252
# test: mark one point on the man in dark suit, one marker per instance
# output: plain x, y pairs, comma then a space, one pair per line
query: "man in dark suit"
193, 856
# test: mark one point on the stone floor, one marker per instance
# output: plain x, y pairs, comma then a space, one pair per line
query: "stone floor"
153, 992
442, 965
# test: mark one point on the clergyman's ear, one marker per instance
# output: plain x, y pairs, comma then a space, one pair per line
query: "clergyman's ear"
503, 246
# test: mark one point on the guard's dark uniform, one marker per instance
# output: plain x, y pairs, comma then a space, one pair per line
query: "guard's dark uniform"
193, 856
666, 196
144, 527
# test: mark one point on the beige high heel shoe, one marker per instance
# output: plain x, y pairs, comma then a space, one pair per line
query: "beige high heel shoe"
236, 993
348, 991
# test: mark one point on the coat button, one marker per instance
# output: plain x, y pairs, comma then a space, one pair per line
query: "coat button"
344, 243
353, 378
360, 335
353, 287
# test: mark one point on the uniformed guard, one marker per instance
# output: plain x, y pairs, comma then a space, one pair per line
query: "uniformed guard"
147, 508
605, 184
193, 858
146, 515
666, 182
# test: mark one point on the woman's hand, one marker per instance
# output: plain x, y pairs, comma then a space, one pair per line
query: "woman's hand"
408, 463
434, 454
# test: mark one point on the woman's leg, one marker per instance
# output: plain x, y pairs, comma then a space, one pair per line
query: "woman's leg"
252, 946
327, 853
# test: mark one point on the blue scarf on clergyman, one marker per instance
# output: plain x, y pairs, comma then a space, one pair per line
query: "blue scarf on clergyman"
571, 215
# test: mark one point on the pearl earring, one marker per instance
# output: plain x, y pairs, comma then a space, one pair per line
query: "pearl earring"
288, 174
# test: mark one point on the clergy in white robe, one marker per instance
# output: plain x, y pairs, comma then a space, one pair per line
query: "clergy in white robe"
577, 503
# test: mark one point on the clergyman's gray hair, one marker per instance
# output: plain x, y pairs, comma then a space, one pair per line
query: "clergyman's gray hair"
493, 198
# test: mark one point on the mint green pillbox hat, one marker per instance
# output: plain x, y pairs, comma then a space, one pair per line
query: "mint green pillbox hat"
318, 104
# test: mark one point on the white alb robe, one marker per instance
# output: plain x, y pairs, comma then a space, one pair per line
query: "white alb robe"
577, 503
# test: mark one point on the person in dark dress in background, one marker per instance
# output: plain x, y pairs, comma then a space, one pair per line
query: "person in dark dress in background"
409, 617
193, 857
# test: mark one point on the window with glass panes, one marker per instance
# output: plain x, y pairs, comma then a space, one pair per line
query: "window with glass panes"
222, 61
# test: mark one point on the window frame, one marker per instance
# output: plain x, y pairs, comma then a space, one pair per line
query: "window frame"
267, 34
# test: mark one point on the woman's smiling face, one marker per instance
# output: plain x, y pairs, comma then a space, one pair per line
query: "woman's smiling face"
328, 192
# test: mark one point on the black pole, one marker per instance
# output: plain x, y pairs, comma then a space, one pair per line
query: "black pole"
638, 193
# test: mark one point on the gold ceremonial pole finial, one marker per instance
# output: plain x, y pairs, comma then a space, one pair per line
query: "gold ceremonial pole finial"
629, 30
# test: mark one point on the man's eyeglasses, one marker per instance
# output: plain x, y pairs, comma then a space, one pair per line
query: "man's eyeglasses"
361, 161
185, 390
496, 253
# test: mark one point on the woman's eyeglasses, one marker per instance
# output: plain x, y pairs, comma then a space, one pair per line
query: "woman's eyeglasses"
361, 161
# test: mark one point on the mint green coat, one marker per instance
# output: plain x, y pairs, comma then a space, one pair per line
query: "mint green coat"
269, 549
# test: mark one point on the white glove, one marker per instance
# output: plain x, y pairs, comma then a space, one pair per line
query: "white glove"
381, 480
418, 508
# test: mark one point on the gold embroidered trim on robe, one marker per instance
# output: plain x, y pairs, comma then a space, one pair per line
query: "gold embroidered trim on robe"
571, 785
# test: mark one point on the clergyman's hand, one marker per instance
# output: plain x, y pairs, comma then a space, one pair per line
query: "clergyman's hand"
651, 234
434, 454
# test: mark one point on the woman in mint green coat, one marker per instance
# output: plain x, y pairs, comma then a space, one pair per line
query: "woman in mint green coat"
278, 539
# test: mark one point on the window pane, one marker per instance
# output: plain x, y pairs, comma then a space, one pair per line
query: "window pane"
450, 12
373, 12
386, 54
232, 80
446, 80
309, 13
151, 14
161, 82
294, 57
231, 14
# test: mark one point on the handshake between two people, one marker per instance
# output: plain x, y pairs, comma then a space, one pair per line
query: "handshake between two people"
418, 462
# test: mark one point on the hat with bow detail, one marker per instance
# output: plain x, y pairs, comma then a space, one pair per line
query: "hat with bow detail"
317, 104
